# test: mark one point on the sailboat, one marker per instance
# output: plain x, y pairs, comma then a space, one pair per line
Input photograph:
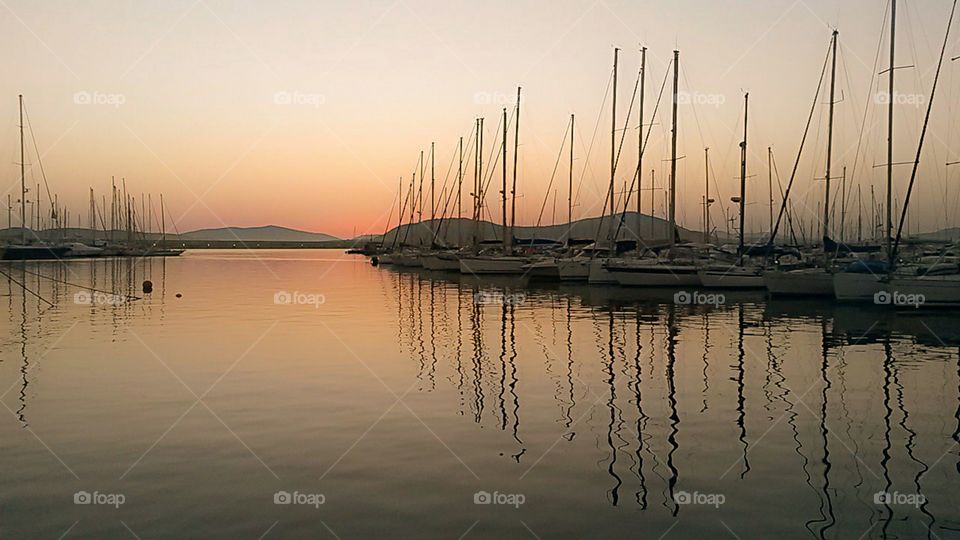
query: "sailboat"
597, 272
738, 276
862, 281
676, 269
818, 280
505, 262
25, 250
939, 284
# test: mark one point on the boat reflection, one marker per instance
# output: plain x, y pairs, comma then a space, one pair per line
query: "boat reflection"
671, 373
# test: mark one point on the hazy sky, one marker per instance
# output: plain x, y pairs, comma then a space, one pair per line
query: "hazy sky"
307, 113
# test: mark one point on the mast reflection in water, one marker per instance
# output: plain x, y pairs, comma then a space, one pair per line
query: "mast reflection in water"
408, 393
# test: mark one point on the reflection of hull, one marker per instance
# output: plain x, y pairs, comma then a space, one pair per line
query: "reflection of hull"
858, 287
543, 269
599, 275
573, 269
735, 277
492, 265
441, 262
928, 291
654, 274
30, 253
806, 282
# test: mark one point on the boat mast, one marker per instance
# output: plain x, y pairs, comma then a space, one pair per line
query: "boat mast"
643, 76
460, 193
893, 51
613, 151
673, 151
163, 223
420, 201
770, 186
513, 190
706, 196
23, 182
743, 174
826, 194
503, 190
433, 203
570, 188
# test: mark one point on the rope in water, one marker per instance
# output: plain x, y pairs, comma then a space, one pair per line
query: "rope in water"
65, 282
11, 278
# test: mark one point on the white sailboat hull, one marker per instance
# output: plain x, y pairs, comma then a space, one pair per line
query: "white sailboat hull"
806, 282
576, 269
655, 275
857, 287
732, 278
598, 273
926, 291
440, 264
492, 265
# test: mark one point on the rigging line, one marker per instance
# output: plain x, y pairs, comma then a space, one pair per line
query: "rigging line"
36, 150
776, 172
806, 130
450, 193
626, 123
923, 133
24, 287
593, 139
553, 175
866, 108
643, 148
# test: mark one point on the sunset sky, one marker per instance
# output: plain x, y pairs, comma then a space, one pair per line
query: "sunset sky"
307, 113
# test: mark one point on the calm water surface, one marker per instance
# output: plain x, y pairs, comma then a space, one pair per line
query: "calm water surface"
386, 403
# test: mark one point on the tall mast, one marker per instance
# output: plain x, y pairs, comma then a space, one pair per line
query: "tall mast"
163, 223
706, 196
513, 189
503, 190
570, 188
460, 193
893, 51
23, 182
420, 201
613, 152
833, 81
673, 151
770, 186
743, 174
643, 76
433, 203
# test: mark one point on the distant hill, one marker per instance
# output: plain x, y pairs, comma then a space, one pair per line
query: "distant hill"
454, 231
268, 233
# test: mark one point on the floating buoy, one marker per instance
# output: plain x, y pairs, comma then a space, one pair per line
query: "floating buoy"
375, 260
179, 295
147, 286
